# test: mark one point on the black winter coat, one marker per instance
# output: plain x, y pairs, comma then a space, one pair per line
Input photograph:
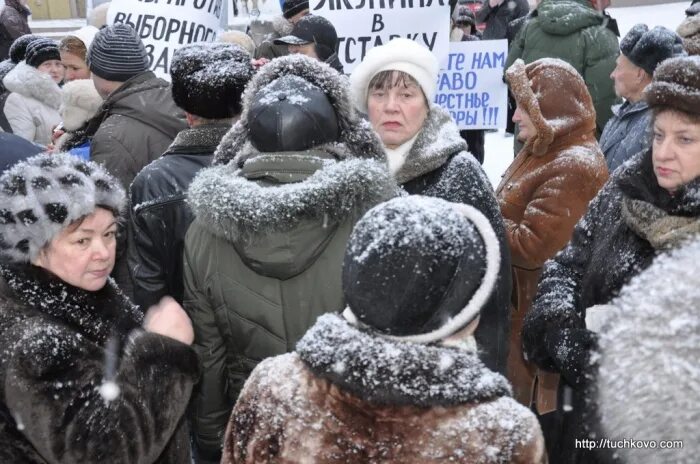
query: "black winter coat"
54, 362
611, 244
160, 217
15, 149
438, 165
498, 18
627, 133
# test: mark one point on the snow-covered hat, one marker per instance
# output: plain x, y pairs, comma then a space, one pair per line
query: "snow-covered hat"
208, 79
647, 48
117, 53
85, 34
18, 49
397, 55
419, 269
44, 194
689, 30
41, 50
676, 84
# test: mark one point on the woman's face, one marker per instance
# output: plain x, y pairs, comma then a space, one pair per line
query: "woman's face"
53, 68
397, 112
676, 149
75, 67
83, 254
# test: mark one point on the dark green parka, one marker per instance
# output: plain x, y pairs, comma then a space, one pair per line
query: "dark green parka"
263, 258
573, 31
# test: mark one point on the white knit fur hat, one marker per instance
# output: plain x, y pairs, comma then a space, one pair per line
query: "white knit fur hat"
397, 55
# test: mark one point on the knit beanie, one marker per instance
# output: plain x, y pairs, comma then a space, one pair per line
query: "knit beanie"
419, 268
397, 55
41, 50
291, 114
117, 54
676, 84
41, 196
18, 49
208, 79
647, 48
292, 7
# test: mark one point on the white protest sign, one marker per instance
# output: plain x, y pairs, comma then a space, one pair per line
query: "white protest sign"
363, 24
166, 25
471, 85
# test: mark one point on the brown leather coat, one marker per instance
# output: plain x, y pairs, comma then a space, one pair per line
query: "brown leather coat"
543, 194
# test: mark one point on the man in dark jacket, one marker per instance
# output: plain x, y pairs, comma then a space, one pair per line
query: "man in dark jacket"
207, 83
138, 119
628, 132
497, 14
14, 23
263, 257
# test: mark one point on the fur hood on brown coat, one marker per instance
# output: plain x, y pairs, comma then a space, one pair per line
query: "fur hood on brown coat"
555, 97
436, 404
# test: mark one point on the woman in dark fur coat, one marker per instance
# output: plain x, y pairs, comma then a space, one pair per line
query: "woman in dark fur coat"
83, 378
650, 205
396, 378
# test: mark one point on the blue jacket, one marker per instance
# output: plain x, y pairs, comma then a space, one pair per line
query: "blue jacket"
627, 133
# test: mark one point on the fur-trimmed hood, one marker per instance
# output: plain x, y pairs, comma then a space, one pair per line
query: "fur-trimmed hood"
356, 135
80, 102
556, 98
388, 372
29, 82
689, 30
648, 376
436, 142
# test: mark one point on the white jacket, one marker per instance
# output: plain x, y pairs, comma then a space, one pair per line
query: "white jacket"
32, 107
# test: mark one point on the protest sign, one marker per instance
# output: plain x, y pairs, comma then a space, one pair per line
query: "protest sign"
363, 24
471, 85
166, 25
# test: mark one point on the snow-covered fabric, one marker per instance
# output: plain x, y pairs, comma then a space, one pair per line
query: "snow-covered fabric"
19, 47
399, 54
32, 107
41, 50
44, 194
648, 377
647, 48
208, 79
676, 84
419, 269
354, 131
61, 350
689, 30
627, 133
347, 396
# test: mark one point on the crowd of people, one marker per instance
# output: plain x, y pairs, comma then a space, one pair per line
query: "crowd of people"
266, 260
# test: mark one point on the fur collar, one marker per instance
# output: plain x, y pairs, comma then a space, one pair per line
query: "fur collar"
233, 207
355, 134
436, 142
663, 231
396, 373
28, 82
207, 137
98, 315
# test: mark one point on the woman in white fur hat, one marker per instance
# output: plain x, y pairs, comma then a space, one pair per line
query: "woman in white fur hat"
395, 85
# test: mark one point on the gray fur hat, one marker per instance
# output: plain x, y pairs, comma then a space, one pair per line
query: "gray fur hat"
647, 48
44, 194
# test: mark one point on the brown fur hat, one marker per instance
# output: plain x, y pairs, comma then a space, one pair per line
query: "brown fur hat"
676, 84
555, 97
689, 30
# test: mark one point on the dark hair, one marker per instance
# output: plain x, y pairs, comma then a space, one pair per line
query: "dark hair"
393, 78
693, 118
74, 45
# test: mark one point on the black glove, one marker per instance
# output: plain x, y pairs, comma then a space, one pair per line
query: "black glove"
571, 349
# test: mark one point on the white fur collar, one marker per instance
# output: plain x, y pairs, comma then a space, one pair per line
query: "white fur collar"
29, 82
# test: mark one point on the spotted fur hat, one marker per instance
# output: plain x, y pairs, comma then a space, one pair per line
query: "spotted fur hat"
44, 194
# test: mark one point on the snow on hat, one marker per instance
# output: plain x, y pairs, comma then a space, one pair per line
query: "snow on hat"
316, 30
41, 50
291, 114
676, 84
117, 54
208, 79
292, 7
18, 49
689, 30
397, 55
85, 34
647, 48
419, 268
41, 196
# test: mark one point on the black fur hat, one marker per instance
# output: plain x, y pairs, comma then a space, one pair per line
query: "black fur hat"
291, 114
208, 79
292, 7
419, 268
647, 48
41, 50
18, 49
44, 194
676, 84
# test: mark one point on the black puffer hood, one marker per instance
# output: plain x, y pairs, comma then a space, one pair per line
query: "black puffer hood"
355, 133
